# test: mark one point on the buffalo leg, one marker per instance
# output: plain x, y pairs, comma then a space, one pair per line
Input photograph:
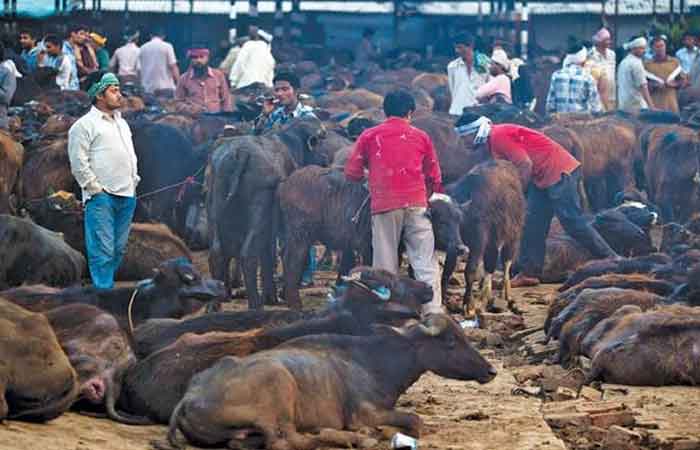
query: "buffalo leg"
409, 422
4, 409
254, 246
490, 262
295, 253
447, 271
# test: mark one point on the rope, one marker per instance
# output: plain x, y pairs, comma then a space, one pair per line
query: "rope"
187, 181
356, 217
131, 303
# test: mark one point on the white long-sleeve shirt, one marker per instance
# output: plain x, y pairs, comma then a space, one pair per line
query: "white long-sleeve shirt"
254, 64
463, 85
102, 155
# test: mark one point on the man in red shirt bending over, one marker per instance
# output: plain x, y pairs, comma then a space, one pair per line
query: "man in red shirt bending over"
403, 172
551, 175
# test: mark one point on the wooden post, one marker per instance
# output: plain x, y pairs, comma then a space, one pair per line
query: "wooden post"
297, 19
57, 5
617, 16
671, 11
682, 10
653, 10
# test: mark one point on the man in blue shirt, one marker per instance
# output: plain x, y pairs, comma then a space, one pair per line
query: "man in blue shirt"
278, 111
688, 53
30, 51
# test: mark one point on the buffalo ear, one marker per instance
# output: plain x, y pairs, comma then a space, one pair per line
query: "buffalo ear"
312, 142
434, 325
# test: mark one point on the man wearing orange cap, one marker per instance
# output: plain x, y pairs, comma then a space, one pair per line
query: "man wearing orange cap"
98, 42
202, 85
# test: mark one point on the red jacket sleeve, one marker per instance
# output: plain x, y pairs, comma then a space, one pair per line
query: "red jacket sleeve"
356, 163
431, 168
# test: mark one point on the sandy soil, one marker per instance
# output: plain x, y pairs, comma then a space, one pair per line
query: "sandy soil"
460, 415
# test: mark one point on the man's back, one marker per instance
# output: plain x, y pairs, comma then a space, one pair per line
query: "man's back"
572, 90
155, 59
515, 143
630, 77
399, 158
126, 58
254, 64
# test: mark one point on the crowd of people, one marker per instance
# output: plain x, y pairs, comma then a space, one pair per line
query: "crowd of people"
590, 80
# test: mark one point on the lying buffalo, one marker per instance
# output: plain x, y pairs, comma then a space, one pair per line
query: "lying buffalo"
144, 393
654, 348
640, 264
492, 223
175, 290
148, 246
245, 173
37, 381
32, 254
590, 307
47, 170
99, 351
157, 334
323, 381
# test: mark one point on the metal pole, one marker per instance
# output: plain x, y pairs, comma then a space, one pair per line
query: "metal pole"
617, 18
232, 22
278, 30
524, 31
57, 5
395, 23
671, 10
298, 19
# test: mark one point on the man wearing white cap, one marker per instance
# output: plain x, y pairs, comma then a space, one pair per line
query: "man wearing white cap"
572, 89
497, 89
632, 87
602, 58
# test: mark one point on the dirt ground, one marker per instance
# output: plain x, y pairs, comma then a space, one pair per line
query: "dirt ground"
530, 405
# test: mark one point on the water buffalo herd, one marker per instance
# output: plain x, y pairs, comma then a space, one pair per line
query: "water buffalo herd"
159, 348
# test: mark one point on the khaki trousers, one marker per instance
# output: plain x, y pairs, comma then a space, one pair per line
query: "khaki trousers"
415, 228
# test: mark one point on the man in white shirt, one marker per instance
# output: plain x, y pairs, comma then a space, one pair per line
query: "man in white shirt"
601, 57
254, 64
688, 53
463, 76
125, 61
66, 78
103, 162
159, 71
633, 89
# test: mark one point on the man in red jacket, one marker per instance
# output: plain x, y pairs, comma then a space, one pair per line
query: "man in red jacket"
403, 173
551, 175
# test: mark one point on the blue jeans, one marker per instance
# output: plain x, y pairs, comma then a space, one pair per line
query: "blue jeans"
308, 276
107, 221
563, 200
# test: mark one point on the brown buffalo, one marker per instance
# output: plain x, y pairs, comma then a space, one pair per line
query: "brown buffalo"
57, 124
37, 380
654, 348
673, 173
32, 254
47, 170
323, 381
149, 244
492, 224
11, 156
98, 350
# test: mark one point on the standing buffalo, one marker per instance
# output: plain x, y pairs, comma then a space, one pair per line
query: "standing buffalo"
241, 206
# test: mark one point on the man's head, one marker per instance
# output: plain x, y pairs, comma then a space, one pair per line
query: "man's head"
576, 55
637, 46
158, 31
473, 128
688, 40
602, 39
27, 39
659, 47
77, 34
285, 85
105, 94
253, 32
200, 59
399, 103
464, 46
499, 62
97, 40
53, 45
368, 33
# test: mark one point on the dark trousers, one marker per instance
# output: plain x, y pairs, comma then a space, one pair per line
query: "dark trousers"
562, 200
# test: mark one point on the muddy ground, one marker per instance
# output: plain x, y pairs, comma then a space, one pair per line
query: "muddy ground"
530, 405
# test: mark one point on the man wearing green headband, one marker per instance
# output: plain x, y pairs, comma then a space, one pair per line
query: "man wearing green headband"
103, 162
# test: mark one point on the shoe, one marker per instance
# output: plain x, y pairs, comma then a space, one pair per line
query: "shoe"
524, 281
